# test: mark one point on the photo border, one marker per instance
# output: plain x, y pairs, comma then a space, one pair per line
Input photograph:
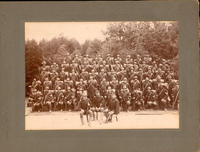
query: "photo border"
13, 136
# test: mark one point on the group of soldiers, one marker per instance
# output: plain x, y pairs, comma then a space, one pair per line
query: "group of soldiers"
110, 83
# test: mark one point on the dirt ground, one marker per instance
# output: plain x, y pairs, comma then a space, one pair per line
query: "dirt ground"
127, 120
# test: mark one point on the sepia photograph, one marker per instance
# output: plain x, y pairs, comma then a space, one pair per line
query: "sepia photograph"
102, 75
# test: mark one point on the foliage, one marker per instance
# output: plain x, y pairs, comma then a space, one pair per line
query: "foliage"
57, 48
162, 40
159, 38
33, 61
94, 47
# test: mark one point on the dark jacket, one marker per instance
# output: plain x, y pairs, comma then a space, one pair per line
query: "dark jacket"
113, 105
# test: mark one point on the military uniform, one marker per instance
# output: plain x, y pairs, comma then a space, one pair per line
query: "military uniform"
125, 99
152, 102
84, 106
113, 109
163, 97
175, 97
138, 101
60, 102
37, 105
49, 101
109, 75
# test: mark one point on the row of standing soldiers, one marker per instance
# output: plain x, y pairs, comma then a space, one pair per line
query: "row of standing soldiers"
138, 82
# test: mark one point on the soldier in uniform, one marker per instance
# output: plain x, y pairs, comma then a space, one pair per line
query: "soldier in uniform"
63, 74
60, 102
91, 89
74, 75
64, 65
175, 97
84, 106
125, 98
102, 75
67, 96
114, 83
37, 105
38, 85
140, 75
107, 68
113, 108
155, 83
72, 103
54, 67
118, 66
146, 83
146, 94
57, 93
93, 81
32, 97
123, 83
163, 96
49, 101
118, 58
135, 84
47, 83
53, 77
108, 94
68, 83
59, 83
34, 84
97, 105
172, 84
84, 75
128, 59
103, 87
138, 101
152, 100
93, 74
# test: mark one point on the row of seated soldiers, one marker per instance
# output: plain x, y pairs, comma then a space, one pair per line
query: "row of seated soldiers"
139, 82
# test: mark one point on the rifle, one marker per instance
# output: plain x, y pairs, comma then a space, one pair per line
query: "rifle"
175, 99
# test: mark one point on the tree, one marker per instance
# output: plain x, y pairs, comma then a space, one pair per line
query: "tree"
84, 47
156, 38
162, 39
94, 47
58, 48
127, 35
33, 61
